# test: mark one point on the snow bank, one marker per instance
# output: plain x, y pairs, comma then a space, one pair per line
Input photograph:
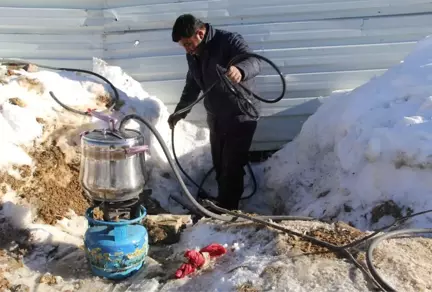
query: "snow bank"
361, 149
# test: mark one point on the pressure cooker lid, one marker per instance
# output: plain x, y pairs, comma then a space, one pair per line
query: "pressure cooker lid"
108, 137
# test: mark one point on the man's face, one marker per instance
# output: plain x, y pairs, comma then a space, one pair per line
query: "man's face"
191, 44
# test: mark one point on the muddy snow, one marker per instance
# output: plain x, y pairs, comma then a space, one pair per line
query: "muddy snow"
359, 169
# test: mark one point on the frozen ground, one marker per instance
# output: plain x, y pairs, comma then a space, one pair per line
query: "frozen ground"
342, 166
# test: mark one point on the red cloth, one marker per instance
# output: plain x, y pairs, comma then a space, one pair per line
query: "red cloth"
196, 259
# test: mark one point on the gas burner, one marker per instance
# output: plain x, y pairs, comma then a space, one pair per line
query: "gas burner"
121, 205
116, 211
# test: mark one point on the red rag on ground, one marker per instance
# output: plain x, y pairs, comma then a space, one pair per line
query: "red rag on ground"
196, 259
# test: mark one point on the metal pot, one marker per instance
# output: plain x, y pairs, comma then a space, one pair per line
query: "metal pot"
112, 164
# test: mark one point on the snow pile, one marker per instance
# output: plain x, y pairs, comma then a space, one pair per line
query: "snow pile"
362, 149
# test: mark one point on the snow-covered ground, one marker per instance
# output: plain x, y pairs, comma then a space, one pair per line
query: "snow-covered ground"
360, 149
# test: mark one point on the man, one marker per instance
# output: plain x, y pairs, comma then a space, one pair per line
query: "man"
231, 131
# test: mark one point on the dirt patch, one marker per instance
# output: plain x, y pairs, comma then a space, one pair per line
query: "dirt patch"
14, 183
247, 287
4, 283
104, 100
17, 101
20, 288
48, 279
273, 273
384, 209
340, 235
24, 170
40, 121
31, 84
54, 185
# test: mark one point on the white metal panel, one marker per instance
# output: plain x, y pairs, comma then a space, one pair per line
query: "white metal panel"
319, 45
223, 12
57, 33
81, 4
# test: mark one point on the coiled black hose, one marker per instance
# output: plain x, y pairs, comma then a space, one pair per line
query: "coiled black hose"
245, 105
236, 89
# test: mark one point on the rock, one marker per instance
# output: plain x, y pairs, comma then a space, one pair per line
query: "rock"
40, 120
341, 226
31, 84
11, 72
4, 283
17, 101
77, 286
98, 214
31, 68
58, 279
166, 228
20, 288
48, 279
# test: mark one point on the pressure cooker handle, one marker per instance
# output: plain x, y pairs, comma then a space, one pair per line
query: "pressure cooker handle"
109, 119
136, 149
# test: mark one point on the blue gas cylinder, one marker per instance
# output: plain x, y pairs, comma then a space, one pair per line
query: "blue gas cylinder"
116, 250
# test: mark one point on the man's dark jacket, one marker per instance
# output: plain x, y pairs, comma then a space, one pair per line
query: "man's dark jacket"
218, 47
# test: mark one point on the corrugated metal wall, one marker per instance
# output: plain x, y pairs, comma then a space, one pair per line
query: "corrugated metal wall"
320, 45
52, 32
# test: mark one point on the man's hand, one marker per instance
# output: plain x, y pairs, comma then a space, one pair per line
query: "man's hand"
234, 74
173, 120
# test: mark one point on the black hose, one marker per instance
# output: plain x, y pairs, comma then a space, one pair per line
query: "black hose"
369, 255
113, 102
236, 89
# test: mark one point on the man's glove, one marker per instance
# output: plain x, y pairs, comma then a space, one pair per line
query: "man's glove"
173, 120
